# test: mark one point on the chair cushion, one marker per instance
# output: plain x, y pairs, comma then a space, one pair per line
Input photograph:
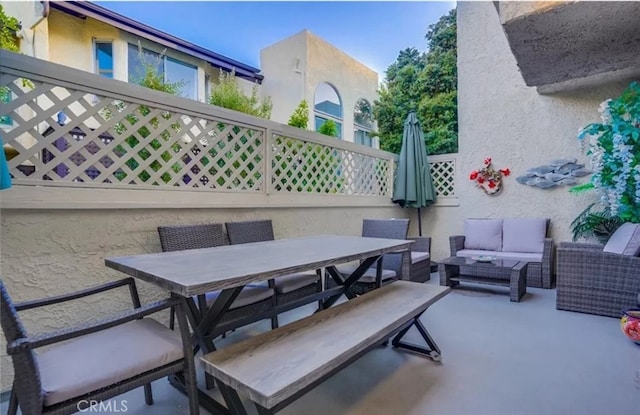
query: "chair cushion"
483, 234
97, 360
524, 234
292, 282
418, 256
520, 256
625, 240
250, 294
369, 275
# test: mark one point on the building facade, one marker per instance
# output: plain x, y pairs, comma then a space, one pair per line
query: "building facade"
336, 86
92, 38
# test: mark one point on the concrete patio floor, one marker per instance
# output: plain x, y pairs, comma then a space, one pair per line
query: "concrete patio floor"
499, 358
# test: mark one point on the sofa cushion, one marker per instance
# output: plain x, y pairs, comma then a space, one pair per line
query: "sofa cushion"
483, 234
524, 234
520, 256
369, 275
625, 240
291, 282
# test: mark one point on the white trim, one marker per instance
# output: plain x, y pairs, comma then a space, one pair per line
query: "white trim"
36, 197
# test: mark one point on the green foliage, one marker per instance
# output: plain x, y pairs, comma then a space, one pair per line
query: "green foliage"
300, 117
614, 151
8, 28
151, 79
227, 94
600, 225
426, 83
329, 128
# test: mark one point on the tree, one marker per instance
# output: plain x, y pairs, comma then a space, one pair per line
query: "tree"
8, 28
426, 83
227, 94
300, 117
329, 128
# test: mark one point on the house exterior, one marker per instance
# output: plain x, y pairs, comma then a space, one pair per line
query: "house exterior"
530, 76
336, 86
92, 38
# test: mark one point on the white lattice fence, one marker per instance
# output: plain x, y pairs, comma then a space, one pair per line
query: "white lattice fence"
71, 128
443, 173
302, 166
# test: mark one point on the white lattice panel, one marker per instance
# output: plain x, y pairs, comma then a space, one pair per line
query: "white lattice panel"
443, 175
106, 141
300, 166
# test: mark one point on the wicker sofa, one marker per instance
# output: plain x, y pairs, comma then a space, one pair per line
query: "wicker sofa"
523, 239
597, 279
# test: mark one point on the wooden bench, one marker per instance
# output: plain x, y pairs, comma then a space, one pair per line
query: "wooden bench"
275, 368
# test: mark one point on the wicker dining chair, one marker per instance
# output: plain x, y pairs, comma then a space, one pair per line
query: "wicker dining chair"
252, 300
288, 287
391, 263
95, 361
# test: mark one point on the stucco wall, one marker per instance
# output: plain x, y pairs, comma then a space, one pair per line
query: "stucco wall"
45, 253
317, 61
502, 118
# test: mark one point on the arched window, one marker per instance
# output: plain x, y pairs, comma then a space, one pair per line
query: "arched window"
327, 106
363, 123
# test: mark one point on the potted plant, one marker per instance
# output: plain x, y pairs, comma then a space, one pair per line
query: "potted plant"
614, 153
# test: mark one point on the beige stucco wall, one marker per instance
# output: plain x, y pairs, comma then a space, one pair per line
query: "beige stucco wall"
49, 252
500, 117
295, 66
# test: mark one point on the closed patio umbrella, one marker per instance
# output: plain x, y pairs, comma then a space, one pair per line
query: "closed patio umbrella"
413, 187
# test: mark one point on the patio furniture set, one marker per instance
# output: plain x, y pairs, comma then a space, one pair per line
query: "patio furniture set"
215, 288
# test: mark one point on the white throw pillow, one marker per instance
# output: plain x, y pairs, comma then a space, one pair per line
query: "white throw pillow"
524, 234
625, 240
483, 234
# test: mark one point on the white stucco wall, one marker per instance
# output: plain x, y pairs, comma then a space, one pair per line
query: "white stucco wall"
295, 66
502, 118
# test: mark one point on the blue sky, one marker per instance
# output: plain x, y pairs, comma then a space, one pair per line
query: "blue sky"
371, 32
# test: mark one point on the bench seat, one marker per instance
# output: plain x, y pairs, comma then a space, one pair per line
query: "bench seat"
276, 367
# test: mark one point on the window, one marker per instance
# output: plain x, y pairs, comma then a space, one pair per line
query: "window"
327, 106
363, 123
104, 59
172, 70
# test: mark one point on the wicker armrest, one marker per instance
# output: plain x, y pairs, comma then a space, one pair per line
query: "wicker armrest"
421, 244
83, 293
44, 339
582, 245
456, 243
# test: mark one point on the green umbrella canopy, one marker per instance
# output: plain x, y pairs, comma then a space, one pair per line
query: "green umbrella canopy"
413, 187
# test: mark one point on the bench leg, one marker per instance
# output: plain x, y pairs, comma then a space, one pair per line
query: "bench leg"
231, 398
432, 351
264, 411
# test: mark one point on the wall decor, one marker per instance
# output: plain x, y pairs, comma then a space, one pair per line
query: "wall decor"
488, 178
560, 172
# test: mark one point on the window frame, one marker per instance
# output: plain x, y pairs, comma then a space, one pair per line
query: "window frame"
96, 62
327, 116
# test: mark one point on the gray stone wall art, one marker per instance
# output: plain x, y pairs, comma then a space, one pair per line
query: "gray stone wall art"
561, 172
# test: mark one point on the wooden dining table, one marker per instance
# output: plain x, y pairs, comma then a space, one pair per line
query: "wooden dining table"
192, 273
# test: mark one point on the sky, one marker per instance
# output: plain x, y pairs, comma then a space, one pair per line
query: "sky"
371, 32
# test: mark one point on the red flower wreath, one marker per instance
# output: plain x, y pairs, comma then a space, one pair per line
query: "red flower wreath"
489, 179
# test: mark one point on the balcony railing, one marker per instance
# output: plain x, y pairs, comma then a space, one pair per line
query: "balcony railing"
70, 128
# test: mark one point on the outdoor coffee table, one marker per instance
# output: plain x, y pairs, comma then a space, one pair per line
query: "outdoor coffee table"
506, 272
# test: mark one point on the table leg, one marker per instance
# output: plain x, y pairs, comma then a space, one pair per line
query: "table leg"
518, 282
446, 272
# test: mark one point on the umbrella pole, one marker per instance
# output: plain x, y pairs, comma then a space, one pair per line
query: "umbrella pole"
419, 223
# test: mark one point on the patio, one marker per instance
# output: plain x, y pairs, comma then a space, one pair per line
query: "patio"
499, 358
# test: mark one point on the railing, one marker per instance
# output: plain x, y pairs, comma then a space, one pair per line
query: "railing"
116, 134
73, 129
443, 174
